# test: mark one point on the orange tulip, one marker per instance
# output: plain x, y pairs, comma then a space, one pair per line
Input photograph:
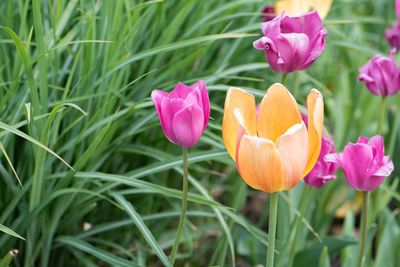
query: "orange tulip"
294, 7
272, 147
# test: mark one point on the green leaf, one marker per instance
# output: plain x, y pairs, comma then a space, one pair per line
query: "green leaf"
324, 260
138, 221
95, 252
8, 231
307, 257
14, 130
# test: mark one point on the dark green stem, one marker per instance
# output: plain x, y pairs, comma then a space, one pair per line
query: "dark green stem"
185, 187
304, 202
363, 234
284, 78
273, 209
381, 117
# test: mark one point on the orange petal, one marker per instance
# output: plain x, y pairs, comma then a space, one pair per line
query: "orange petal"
278, 112
237, 99
315, 106
293, 147
260, 164
295, 7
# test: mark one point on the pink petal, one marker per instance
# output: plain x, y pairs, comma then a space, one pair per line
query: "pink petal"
293, 49
309, 24
205, 100
167, 111
386, 169
181, 90
188, 126
357, 160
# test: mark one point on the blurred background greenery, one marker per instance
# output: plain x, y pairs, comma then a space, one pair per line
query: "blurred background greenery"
75, 79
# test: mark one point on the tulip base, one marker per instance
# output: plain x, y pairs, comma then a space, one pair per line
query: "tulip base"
363, 234
185, 186
273, 210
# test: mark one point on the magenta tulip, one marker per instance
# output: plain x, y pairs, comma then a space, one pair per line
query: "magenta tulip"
381, 75
323, 171
393, 36
183, 113
268, 13
364, 164
292, 43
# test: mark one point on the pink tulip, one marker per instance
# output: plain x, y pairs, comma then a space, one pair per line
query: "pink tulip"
381, 75
183, 113
292, 43
393, 36
323, 171
364, 164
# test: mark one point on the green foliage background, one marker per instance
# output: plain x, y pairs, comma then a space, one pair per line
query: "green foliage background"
75, 79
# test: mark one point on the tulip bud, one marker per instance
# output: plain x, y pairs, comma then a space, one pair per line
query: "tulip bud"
323, 171
381, 75
272, 148
292, 43
364, 164
183, 113
393, 36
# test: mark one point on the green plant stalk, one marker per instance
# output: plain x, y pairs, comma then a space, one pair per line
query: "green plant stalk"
284, 78
273, 209
185, 187
379, 130
305, 197
5, 262
381, 117
363, 234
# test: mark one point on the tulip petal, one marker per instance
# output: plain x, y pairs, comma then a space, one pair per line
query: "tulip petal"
237, 99
293, 148
315, 106
294, 7
377, 143
168, 107
323, 7
205, 100
260, 164
356, 174
188, 125
293, 48
157, 96
181, 90
387, 167
278, 112
291, 7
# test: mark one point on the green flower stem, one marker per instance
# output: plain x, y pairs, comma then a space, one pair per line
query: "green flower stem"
185, 187
273, 209
284, 78
381, 117
304, 202
363, 234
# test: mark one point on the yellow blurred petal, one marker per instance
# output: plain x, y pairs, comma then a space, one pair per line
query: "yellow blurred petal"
237, 99
292, 7
278, 112
323, 7
315, 106
293, 147
260, 164
295, 7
